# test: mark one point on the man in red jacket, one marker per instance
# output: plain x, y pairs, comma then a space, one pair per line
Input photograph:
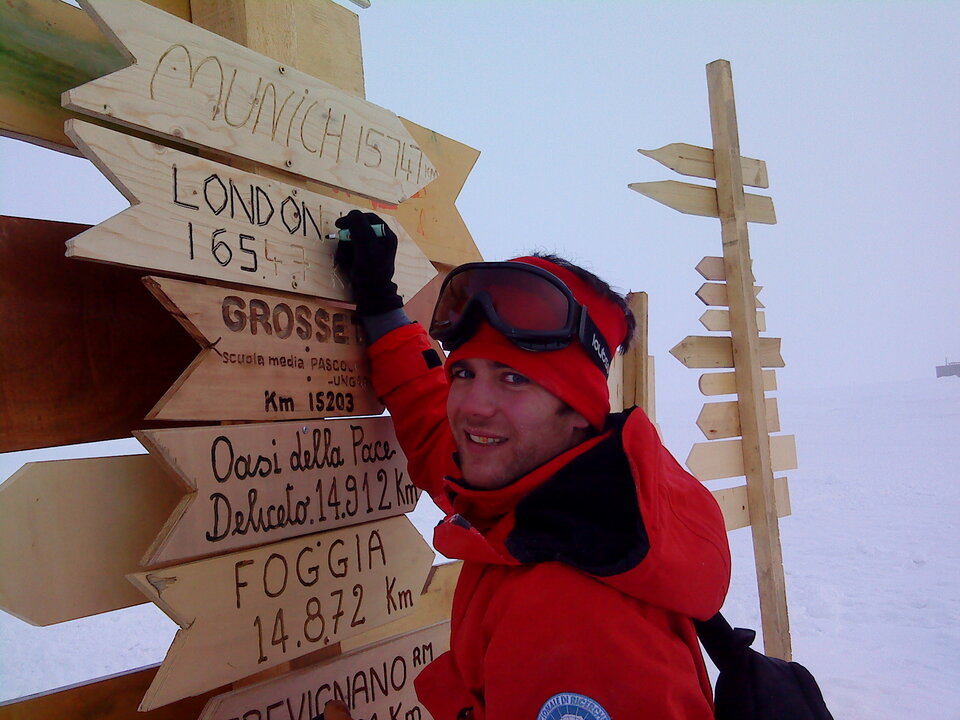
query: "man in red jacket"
587, 549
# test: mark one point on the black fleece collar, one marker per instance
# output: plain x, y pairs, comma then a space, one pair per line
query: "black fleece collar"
587, 515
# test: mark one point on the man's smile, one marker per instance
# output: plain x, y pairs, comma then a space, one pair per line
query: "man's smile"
484, 439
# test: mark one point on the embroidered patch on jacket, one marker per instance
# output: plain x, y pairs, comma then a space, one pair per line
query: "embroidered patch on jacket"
571, 706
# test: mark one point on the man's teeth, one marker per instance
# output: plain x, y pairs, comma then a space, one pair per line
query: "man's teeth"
485, 440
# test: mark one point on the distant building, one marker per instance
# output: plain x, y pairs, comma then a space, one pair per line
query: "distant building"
951, 368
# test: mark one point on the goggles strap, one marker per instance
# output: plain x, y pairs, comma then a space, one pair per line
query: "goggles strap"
593, 342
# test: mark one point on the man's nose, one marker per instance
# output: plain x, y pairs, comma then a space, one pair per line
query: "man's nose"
479, 400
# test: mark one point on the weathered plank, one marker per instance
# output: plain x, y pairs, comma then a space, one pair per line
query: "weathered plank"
725, 383
696, 161
373, 682
52, 47
735, 506
47, 47
716, 294
71, 530
255, 609
719, 321
195, 217
718, 459
711, 268
253, 484
318, 37
265, 356
431, 216
699, 351
116, 697
700, 200
97, 353
722, 419
193, 86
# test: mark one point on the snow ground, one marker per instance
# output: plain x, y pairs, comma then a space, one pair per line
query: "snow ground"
872, 559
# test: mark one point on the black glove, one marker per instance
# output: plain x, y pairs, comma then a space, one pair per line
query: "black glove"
368, 262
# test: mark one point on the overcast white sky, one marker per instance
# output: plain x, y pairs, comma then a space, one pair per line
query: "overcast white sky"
854, 106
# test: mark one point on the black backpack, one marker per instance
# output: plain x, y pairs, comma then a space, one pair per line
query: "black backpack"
752, 686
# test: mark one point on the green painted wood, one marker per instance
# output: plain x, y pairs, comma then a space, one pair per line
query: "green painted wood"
46, 47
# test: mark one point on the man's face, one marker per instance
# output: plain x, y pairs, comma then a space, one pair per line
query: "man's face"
505, 424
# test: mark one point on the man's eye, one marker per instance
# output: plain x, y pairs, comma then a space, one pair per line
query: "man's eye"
459, 373
515, 378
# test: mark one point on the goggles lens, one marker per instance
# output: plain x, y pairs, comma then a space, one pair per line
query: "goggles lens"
524, 301
530, 306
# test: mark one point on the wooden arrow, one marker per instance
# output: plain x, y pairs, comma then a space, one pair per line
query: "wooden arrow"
374, 682
71, 530
196, 217
193, 86
700, 200
121, 349
711, 268
66, 49
116, 697
726, 383
716, 294
697, 161
722, 419
724, 458
735, 506
719, 320
253, 484
265, 357
697, 351
249, 611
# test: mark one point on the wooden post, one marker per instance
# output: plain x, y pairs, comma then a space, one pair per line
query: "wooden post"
636, 374
746, 351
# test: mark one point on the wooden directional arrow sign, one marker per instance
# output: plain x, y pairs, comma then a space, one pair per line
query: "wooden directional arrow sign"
193, 86
264, 357
716, 294
717, 352
196, 217
736, 508
254, 484
373, 682
697, 161
722, 419
700, 200
70, 530
724, 458
249, 611
711, 268
726, 383
719, 320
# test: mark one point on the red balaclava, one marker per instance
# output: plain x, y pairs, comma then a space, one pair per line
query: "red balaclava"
569, 373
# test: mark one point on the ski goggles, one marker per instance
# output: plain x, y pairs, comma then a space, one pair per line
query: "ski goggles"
528, 305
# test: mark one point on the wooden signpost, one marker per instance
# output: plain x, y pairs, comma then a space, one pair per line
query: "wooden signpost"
708, 351
756, 454
254, 484
252, 610
200, 218
374, 683
319, 563
193, 86
699, 200
265, 357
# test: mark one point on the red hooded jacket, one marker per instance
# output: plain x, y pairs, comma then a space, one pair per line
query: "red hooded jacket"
583, 576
